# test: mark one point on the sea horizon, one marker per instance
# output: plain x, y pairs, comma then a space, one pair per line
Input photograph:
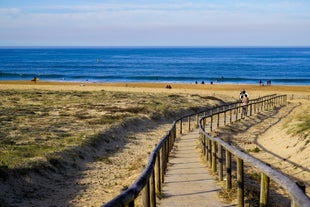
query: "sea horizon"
141, 46
171, 64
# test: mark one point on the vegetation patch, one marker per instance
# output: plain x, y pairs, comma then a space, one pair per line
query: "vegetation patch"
255, 150
300, 125
38, 124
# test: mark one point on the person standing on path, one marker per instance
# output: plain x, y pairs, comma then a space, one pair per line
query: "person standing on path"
245, 102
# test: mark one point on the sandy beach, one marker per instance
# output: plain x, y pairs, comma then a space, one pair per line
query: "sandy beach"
98, 181
255, 90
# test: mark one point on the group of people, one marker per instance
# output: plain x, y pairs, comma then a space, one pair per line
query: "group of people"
245, 101
268, 83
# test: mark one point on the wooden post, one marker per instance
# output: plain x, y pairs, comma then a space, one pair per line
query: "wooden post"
167, 145
218, 120
181, 126
220, 162
197, 120
174, 134
170, 141
207, 149
162, 162
264, 190
251, 105
230, 114
204, 123
146, 195
209, 153
152, 190
166, 152
240, 193
211, 122
228, 170
157, 174
204, 144
214, 157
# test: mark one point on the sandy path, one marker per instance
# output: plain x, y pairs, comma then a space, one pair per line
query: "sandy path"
285, 152
290, 154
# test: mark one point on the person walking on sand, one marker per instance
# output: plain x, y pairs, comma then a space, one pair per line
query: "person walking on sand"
245, 102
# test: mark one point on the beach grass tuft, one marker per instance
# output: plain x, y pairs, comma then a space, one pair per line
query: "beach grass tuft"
300, 125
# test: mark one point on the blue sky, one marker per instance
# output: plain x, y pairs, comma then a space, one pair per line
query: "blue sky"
154, 23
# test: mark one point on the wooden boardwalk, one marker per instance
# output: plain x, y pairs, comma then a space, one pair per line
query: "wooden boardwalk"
187, 182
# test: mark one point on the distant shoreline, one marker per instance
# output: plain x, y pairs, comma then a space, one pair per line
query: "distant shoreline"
142, 83
207, 89
156, 82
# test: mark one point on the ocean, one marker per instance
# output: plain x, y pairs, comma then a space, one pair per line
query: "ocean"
281, 66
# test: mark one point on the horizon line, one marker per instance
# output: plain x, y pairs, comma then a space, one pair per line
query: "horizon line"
148, 46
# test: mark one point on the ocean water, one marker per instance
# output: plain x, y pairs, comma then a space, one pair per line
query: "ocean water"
282, 66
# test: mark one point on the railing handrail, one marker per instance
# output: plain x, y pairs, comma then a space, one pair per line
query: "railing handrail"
295, 192
297, 195
135, 189
229, 104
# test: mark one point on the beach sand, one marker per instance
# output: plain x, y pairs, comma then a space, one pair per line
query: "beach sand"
101, 181
255, 90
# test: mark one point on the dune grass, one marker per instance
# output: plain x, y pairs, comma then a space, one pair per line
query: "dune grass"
300, 125
38, 123
304, 126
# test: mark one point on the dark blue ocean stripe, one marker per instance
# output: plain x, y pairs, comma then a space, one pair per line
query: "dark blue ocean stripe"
226, 65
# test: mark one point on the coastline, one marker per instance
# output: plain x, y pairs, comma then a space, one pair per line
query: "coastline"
53, 85
154, 87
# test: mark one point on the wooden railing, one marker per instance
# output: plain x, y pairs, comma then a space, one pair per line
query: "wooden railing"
149, 184
215, 148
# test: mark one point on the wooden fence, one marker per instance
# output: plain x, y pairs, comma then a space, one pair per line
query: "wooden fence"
297, 96
214, 150
149, 184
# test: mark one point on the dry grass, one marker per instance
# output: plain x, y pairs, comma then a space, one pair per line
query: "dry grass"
299, 125
35, 124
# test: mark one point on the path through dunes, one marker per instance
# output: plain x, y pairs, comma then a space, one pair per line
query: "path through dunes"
266, 137
187, 181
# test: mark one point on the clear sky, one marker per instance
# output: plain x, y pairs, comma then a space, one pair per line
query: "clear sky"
154, 23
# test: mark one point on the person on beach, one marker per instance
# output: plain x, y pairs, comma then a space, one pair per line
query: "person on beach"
168, 86
35, 79
245, 102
